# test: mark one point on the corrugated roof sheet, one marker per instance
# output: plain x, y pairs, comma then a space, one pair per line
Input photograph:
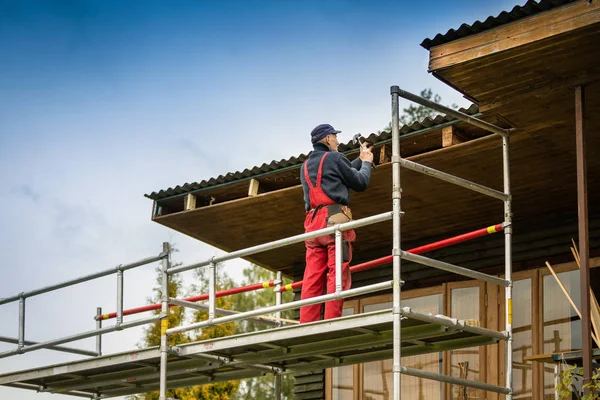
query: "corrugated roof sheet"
518, 12
274, 165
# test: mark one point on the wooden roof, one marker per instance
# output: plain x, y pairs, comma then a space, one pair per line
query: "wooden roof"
521, 75
543, 180
504, 68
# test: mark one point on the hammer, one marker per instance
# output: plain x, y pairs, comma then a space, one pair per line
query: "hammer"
358, 138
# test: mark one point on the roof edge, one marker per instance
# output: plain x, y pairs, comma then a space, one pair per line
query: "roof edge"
418, 127
529, 9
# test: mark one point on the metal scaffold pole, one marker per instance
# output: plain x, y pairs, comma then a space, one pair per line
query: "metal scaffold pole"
396, 253
508, 261
164, 323
278, 301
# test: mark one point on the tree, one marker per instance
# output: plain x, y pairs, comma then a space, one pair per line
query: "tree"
177, 315
261, 388
416, 113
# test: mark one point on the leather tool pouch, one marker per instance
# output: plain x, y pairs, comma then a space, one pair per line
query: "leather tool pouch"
338, 214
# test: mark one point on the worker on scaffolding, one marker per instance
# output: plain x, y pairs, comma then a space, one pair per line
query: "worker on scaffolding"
327, 177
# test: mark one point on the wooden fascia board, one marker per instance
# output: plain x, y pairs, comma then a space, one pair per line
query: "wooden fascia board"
527, 30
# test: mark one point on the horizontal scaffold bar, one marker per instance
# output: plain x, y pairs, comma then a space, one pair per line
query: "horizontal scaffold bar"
451, 379
201, 297
417, 250
79, 336
430, 262
476, 187
287, 241
287, 306
221, 311
56, 348
454, 113
452, 323
290, 286
122, 267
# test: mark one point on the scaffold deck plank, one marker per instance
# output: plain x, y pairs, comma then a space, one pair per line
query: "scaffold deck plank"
344, 341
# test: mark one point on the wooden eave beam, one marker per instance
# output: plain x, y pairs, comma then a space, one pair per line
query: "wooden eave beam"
527, 30
452, 135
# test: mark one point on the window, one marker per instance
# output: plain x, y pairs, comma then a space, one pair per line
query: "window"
377, 377
562, 327
465, 363
543, 323
342, 378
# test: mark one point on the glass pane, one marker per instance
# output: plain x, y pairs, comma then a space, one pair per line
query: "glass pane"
522, 339
465, 363
378, 382
342, 378
562, 327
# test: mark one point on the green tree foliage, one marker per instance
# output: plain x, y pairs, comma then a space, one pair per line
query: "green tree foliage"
567, 385
215, 391
261, 388
415, 113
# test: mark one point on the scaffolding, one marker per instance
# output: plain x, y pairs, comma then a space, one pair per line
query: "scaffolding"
288, 347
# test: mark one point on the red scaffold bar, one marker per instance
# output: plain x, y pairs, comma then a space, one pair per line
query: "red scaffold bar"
417, 250
192, 299
291, 286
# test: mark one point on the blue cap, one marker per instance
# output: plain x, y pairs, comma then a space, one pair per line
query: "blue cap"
322, 131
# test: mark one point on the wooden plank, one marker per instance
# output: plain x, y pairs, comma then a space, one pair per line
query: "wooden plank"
328, 385
383, 156
253, 187
544, 358
542, 89
189, 202
566, 292
527, 30
527, 70
452, 135
594, 307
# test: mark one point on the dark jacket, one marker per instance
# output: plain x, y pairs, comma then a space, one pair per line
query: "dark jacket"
339, 175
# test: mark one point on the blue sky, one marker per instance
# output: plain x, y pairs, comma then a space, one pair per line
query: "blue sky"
103, 101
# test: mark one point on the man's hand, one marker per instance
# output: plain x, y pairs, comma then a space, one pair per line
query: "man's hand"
366, 154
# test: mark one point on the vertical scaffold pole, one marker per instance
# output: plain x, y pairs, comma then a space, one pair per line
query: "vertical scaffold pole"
338, 261
21, 342
508, 229
212, 290
99, 326
278, 301
164, 322
119, 298
396, 194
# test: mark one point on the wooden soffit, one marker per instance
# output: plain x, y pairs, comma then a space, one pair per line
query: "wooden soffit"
525, 60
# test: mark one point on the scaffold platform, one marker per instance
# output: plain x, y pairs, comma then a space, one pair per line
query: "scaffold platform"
291, 349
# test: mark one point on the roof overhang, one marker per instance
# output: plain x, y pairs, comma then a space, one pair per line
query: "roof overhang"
531, 60
543, 182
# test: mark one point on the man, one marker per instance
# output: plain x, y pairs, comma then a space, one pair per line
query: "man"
327, 177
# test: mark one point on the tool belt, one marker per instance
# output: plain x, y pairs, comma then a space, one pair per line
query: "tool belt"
336, 214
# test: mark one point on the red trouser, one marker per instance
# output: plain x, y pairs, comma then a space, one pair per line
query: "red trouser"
320, 269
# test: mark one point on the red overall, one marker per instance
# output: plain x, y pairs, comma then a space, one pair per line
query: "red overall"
320, 255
